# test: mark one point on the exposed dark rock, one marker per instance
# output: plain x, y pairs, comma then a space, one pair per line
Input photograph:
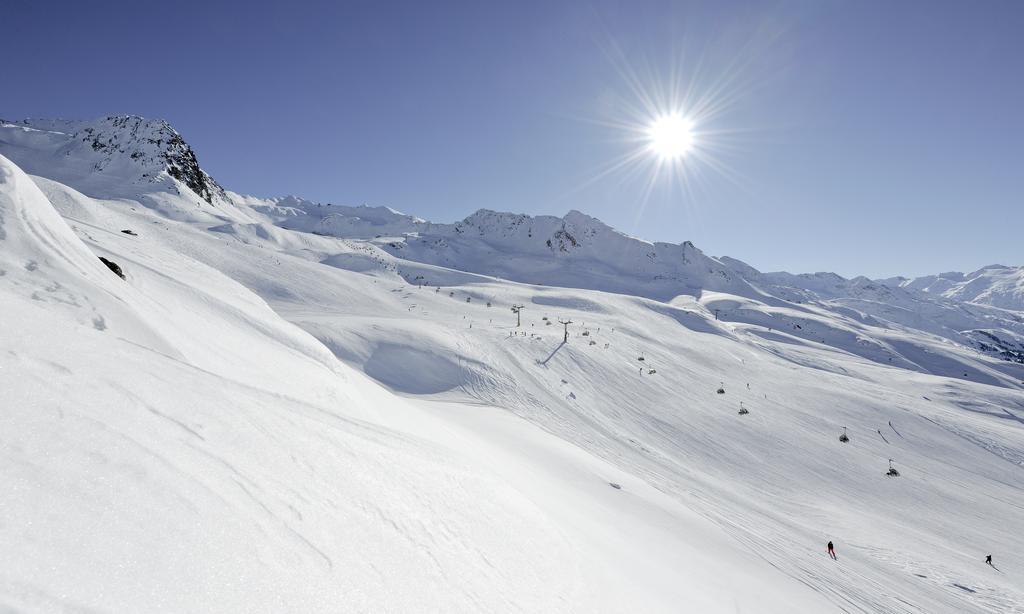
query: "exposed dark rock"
992, 344
113, 266
153, 145
183, 166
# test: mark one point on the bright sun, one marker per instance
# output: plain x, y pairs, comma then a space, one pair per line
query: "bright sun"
670, 136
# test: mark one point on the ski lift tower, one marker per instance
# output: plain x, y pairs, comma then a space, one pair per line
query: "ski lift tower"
516, 309
566, 324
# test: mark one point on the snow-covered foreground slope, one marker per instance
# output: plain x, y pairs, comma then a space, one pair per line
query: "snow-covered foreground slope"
170, 443
261, 418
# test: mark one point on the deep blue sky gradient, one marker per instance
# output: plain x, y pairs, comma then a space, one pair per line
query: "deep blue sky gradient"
862, 137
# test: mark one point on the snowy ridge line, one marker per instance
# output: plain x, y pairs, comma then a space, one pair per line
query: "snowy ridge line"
261, 416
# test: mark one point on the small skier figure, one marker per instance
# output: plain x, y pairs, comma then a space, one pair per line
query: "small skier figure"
832, 551
988, 559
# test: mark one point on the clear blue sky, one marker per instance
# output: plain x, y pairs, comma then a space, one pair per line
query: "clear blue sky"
861, 137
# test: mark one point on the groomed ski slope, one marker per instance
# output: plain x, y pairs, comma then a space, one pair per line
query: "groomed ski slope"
259, 419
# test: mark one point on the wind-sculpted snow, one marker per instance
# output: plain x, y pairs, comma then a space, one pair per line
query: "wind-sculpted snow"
42, 261
229, 462
263, 416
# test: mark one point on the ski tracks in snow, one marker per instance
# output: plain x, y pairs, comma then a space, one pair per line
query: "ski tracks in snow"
966, 588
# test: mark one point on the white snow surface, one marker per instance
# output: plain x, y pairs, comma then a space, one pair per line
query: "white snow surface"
295, 406
995, 285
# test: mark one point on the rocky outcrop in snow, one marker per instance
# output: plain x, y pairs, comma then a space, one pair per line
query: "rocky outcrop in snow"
128, 147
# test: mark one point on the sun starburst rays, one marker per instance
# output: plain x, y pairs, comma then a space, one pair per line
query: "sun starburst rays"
669, 124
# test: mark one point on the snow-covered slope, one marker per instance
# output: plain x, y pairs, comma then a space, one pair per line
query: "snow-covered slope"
285, 408
123, 156
575, 251
171, 444
888, 304
995, 285
333, 220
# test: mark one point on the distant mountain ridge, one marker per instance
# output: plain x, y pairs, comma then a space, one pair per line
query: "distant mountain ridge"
557, 249
996, 285
148, 161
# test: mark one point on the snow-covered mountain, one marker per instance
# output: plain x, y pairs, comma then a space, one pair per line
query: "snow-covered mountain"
995, 285
579, 251
130, 148
992, 330
300, 406
572, 251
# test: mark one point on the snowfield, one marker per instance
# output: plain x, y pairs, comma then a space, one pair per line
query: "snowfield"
295, 406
